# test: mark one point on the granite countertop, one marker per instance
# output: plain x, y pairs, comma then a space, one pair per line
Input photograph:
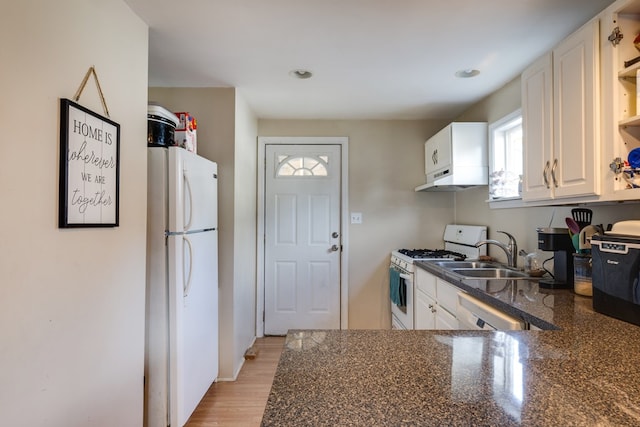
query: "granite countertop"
522, 299
584, 372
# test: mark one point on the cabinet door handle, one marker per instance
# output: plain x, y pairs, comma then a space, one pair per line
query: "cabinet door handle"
553, 173
545, 173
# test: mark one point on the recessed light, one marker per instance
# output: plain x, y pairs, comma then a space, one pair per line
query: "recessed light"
301, 74
465, 74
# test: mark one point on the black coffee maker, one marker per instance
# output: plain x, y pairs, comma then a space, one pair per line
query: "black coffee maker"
559, 242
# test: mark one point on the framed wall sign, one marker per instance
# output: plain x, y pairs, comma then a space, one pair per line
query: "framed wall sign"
89, 168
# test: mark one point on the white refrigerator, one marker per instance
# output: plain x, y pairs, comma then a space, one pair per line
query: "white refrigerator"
181, 348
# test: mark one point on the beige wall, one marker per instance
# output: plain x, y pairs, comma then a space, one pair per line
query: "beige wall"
71, 300
386, 161
227, 135
244, 302
471, 206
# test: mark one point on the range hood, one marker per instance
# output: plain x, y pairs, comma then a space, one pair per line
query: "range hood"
456, 158
437, 186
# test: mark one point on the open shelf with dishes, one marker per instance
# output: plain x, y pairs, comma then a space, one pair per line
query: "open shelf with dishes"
628, 83
632, 177
622, 38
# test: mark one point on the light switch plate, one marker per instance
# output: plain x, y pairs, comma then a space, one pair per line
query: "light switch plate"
356, 217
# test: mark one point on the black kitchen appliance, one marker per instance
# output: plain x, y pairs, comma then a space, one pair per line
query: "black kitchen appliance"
161, 126
559, 242
616, 273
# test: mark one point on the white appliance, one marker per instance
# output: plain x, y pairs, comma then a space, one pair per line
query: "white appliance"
456, 157
473, 314
181, 349
459, 244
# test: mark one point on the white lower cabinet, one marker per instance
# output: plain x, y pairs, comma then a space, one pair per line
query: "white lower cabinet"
447, 300
445, 320
425, 311
435, 303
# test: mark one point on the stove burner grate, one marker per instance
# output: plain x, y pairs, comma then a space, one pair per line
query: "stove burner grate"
432, 253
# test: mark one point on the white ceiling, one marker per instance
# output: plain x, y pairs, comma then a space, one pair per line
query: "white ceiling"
371, 59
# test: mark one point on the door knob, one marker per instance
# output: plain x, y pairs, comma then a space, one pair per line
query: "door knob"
334, 235
334, 248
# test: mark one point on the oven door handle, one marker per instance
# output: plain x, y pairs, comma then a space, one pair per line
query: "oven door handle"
405, 277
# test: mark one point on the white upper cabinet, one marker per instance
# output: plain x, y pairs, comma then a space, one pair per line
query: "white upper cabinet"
576, 108
537, 124
437, 154
561, 119
456, 157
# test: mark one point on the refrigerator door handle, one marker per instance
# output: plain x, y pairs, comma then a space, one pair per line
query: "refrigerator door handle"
187, 185
187, 281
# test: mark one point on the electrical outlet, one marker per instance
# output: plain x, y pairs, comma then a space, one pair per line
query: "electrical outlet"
356, 217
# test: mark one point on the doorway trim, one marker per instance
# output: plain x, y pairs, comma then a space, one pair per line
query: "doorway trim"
343, 142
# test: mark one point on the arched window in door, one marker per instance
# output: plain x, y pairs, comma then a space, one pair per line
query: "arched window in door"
297, 166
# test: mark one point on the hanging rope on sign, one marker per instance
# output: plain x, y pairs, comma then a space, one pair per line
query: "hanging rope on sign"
90, 71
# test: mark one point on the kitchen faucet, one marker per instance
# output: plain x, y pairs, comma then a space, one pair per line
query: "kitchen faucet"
511, 249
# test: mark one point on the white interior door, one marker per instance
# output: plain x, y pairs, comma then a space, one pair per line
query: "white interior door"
302, 237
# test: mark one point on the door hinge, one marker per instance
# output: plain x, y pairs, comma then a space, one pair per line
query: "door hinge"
262, 316
615, 37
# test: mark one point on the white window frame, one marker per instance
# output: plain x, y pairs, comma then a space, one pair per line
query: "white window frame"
501, 126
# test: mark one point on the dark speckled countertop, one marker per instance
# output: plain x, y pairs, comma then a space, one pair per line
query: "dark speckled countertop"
522, 299
585, 372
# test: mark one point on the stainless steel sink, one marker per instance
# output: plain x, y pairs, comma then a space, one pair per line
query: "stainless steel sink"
482, 270
490, 273
466, 264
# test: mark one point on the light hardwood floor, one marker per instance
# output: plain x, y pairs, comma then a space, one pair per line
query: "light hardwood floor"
241, 402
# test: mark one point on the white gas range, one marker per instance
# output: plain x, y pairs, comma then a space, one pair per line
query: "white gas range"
459, 244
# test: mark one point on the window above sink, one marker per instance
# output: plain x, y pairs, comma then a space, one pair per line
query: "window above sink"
506, 157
